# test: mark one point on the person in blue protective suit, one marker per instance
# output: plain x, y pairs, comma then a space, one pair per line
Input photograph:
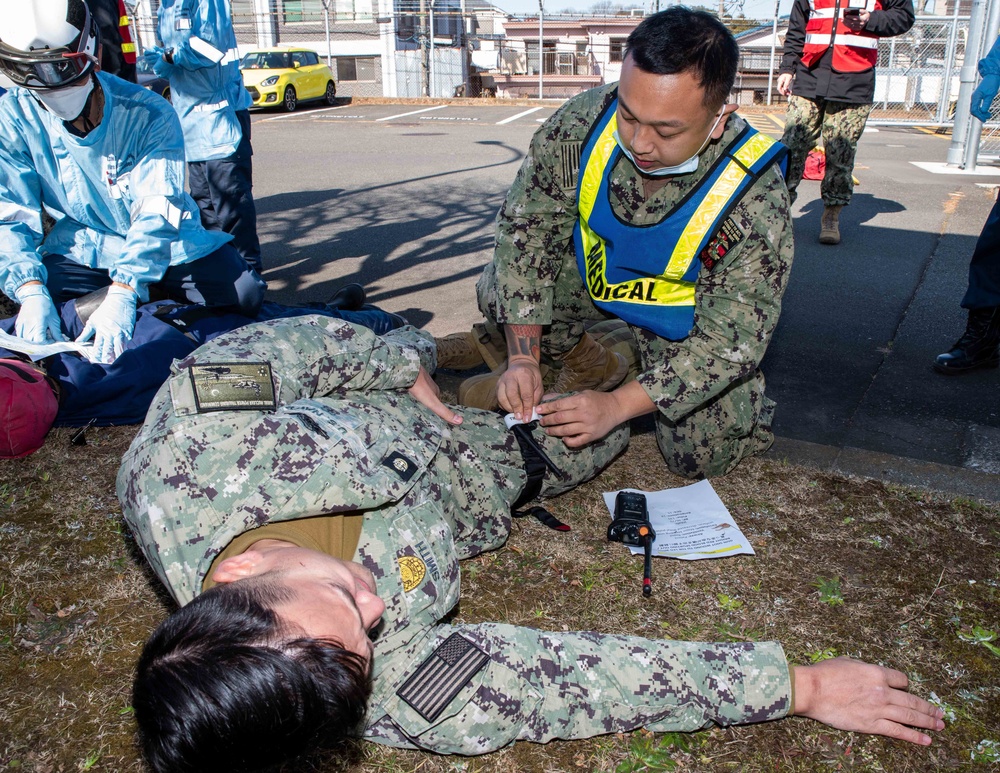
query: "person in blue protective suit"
979, 346
200, 60
105, 158
91, 393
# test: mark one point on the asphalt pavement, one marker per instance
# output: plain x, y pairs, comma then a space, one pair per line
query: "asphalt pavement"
401, 197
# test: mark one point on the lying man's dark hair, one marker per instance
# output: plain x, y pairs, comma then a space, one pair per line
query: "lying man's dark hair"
679, 39
218, 687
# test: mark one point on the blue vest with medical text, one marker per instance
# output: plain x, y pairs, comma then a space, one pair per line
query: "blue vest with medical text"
646, 274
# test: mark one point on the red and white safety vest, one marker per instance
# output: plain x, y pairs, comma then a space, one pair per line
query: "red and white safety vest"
125, 30
852, 51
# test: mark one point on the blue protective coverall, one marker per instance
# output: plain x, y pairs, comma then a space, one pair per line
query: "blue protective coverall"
117, 194
207, 91
206, 87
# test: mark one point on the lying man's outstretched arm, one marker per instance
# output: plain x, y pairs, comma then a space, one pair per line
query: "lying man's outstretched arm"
536, 686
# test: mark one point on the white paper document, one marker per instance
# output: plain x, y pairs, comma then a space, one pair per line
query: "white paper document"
38, 351
690, 523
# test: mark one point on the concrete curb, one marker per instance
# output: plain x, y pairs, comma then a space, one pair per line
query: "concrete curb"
942, 478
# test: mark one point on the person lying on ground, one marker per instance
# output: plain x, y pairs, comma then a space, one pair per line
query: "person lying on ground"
309, 512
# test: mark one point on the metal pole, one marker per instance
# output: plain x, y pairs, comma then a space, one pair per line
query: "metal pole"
774, 43
976, 126
888, 78
326, 25
967, 81
541, 32
466, 54
424, 64
430, 72
951, 49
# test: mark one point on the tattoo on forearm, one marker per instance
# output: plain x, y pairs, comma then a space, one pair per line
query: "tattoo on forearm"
525, 340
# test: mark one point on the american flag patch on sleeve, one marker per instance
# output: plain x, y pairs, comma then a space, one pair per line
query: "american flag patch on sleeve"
440, 678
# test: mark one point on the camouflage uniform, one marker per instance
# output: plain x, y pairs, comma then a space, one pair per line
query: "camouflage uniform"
829, 102
346, 436
841, 125
707, 388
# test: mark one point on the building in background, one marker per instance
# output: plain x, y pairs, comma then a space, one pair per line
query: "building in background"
449, 48
576, 54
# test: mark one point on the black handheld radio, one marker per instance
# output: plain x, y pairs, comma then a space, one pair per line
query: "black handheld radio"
631, 527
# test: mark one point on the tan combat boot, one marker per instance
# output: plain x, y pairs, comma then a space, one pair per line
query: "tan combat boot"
481, 391
590, 366
829, 232
464, 351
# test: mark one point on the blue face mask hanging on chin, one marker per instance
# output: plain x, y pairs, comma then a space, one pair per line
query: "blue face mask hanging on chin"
685, 167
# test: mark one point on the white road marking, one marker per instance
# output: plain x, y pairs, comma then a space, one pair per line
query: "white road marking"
304, 115
412, 112
519, 115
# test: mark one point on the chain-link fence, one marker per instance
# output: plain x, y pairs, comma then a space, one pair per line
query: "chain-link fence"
917, 75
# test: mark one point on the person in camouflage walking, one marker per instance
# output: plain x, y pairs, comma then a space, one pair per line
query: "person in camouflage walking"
828, 74
651, 202
300, 488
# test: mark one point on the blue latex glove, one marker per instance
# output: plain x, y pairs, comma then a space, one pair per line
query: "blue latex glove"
151, 55
163, 68
37, 321
112, 324
984, 95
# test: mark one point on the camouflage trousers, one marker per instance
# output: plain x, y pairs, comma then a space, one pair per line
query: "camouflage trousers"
840, 124
481, 467
707, 442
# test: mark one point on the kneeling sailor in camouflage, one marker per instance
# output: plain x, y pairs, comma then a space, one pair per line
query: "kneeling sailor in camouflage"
648, 201
299, 487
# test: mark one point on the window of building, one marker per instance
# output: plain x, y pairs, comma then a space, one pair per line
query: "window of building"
302, 10
548, 56
312, 10
356, 68
616, 50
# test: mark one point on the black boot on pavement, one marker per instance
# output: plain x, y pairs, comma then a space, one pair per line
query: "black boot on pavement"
350, 297
979, 346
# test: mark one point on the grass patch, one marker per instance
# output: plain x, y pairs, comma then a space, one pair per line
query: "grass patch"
77, 602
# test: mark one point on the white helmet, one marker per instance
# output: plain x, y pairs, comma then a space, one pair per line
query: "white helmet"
48, 44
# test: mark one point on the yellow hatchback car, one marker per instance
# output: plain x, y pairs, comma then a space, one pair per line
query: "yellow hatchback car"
283, 77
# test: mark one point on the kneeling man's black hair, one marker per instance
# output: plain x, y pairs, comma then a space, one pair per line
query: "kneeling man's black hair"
679, 40
221, 687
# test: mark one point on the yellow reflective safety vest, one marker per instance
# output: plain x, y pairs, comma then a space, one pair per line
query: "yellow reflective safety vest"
646, 274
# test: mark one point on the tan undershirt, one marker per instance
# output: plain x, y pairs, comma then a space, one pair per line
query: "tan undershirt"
335, 535
650, 185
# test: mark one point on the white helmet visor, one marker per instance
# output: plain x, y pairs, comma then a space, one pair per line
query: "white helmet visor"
52, 68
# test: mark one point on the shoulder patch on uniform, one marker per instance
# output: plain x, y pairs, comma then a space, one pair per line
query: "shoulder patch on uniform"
233, 386
729, 236
400, 465
442, 676
411, 571
569, 163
